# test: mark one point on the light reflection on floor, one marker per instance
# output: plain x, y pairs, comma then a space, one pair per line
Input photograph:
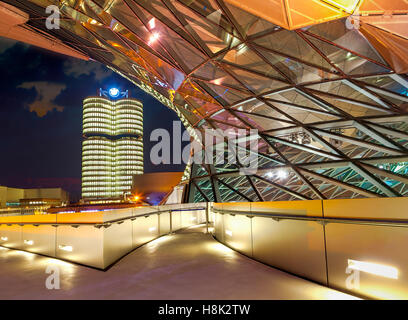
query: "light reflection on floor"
185, 265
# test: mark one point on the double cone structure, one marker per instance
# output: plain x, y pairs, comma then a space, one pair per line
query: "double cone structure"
329, 100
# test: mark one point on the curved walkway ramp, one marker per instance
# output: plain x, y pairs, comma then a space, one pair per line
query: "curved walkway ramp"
189, 264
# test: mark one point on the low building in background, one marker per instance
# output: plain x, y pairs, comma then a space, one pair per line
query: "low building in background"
31, 201
93, 207
154, 188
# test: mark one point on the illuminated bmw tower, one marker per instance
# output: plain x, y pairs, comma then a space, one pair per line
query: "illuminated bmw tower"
112, 149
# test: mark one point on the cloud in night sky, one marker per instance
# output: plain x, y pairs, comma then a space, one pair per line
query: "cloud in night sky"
77, 68
6, 44
46, 93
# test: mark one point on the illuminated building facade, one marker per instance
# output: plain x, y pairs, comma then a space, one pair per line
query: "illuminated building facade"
323, 81
112, 149
31, 201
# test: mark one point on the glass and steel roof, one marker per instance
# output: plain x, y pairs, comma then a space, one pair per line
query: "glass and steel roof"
326, 90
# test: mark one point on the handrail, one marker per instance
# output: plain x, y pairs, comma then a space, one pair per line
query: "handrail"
100, 224
148, 214
321, 220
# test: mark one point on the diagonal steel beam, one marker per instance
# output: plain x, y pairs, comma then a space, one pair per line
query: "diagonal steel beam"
304, 148
378, 136
235, 190
341, 184
385, 173
254, 187
358, 142
282, 188
374, 180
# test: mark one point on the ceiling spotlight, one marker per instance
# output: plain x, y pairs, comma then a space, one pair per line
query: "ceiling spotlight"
269, 174
218, 81
335, 143
153, 38
306, 139
282, 174
294, 137
152, 23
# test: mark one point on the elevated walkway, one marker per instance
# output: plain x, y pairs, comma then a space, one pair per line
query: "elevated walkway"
354, 246
189, 264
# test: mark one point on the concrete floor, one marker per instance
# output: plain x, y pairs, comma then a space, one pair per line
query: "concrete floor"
186, 265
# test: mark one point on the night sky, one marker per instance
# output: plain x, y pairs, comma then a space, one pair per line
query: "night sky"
41, 97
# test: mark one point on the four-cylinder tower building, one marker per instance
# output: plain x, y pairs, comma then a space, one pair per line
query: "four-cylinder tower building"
112, 149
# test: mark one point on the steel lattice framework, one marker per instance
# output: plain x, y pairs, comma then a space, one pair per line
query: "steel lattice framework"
330, 109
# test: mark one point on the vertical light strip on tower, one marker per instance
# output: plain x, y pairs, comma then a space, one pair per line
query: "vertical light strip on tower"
112, 150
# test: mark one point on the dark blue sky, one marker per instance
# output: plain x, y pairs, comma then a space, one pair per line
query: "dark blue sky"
41, 97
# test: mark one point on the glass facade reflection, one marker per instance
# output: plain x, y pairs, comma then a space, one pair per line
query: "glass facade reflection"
328, 95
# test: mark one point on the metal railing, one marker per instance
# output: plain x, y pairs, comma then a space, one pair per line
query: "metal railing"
325, 249
109, 235
321, 220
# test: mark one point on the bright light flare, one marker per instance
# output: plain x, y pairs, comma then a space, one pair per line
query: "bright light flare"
282, 174
374, 268
114, 92
153, 38
228, 232
135, 198
151, 229
29, 242
152, 23
218, 81
4, 238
